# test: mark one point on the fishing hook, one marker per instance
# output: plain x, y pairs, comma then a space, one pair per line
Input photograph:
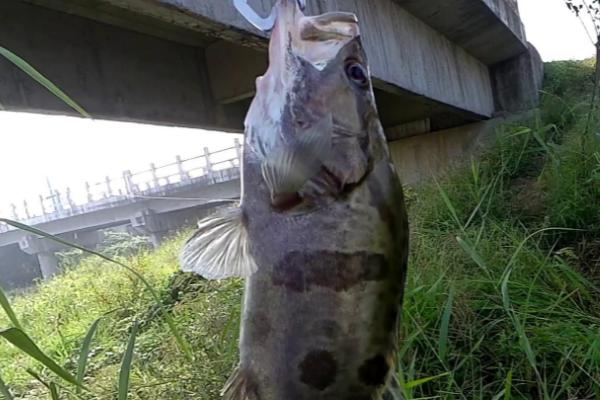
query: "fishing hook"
261, 23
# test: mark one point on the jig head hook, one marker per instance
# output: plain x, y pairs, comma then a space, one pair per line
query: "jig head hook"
261, 23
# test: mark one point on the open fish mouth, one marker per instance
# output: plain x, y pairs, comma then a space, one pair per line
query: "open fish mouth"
315, 38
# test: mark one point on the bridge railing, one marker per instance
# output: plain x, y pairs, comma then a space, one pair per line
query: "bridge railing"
205, 169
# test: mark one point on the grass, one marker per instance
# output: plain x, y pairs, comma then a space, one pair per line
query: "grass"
503, 298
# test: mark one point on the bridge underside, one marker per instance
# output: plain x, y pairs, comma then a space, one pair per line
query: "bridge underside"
194, 63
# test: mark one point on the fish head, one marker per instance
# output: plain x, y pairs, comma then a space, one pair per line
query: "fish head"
318, 71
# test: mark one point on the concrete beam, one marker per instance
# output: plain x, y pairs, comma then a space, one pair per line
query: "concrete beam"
490, 30
112, 72
192, 48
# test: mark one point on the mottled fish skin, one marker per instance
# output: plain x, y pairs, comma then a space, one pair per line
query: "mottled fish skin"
321, 234
321, 314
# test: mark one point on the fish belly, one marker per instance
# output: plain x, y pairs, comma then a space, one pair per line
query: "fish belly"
321, 325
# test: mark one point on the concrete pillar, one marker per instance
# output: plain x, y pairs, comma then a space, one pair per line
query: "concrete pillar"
152, 225
45, 250
517, 82
48, 264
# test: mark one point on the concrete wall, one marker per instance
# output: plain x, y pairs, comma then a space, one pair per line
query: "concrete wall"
420, 157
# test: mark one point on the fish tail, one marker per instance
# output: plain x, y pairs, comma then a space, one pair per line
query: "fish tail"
240, 386
220, 248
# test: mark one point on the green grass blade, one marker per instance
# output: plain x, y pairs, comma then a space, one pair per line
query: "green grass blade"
37, 377
508, 386
422, 381
54, 391
181, 342
9, 311
125, 373
445, 325
42, 80
21, 341
449, 205
475, 256
85, 352
4, 391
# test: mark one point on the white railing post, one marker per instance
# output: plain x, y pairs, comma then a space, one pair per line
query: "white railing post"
88, 190
183, 175
70, 200
130, 187
209, 167
15, 216
42, 205
109, 191
26, 208
155, 180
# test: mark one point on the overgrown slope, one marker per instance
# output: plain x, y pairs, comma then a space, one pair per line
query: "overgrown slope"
503, 299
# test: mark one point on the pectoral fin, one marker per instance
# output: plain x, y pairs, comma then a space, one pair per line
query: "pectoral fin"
289, 167
220, 248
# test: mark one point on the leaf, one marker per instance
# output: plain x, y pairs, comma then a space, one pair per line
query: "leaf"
8, 310
42, 80
181, 342
84, 353
508, 385
444, 326
4, 391
125, 373
475, 256
419, 382
54, 391
449, 205
21, 341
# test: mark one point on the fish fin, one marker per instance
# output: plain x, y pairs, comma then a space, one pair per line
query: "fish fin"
392, 391
220, 248
240, 386
288, 168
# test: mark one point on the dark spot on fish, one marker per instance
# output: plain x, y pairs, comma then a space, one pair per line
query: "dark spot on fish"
318, 369
374, 371
299, 271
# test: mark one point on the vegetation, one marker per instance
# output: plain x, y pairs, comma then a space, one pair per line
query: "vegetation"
503, 297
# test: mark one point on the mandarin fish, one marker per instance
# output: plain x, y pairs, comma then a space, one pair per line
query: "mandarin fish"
321, 232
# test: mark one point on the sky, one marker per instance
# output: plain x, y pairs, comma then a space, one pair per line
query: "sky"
70, 151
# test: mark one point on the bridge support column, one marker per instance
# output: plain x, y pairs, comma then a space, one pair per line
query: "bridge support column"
149, 223
45, 250
45, 253
48, 264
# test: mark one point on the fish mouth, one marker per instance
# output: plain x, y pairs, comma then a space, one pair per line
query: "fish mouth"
315, 38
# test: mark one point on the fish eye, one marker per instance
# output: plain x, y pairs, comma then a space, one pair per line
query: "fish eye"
357, 74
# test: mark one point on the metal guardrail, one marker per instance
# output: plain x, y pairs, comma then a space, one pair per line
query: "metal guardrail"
208, 168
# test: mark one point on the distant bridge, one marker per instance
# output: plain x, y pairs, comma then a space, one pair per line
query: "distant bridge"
153, 202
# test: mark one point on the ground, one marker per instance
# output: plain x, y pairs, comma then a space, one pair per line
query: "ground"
503, 297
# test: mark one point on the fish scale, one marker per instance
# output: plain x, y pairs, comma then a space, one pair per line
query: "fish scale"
321, 234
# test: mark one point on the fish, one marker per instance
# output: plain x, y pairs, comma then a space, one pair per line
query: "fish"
321, 232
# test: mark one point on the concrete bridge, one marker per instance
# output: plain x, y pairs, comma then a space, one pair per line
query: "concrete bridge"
154, 202
438, 64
